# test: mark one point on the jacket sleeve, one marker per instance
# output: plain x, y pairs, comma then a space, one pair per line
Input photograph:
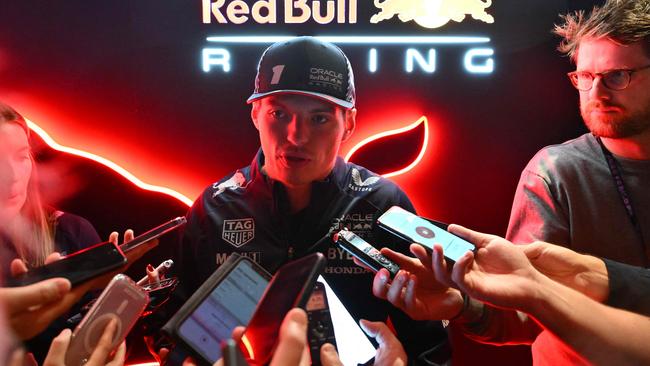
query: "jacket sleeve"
629, 287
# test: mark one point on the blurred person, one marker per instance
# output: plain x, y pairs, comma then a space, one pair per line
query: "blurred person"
30, 230
33, 234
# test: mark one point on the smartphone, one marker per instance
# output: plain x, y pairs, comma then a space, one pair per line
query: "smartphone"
225, 300
320, 327
413, 228
121, 300
363, 251
153, 233
77, 267
290, 287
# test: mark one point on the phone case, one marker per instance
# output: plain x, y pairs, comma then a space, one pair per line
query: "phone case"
153, 233
413, 228
122, 300
77, 267
290, 287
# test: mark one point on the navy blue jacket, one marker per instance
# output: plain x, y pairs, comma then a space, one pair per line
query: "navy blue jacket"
248, 213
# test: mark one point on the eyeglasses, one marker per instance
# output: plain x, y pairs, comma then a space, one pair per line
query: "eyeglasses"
617, 79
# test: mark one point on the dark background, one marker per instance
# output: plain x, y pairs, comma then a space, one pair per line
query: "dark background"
123, 79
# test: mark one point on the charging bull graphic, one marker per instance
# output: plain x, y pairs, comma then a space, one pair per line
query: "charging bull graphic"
432, 13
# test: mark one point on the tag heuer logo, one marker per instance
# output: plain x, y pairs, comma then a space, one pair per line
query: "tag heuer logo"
238, 232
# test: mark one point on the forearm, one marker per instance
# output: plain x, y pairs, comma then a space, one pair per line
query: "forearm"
599, 333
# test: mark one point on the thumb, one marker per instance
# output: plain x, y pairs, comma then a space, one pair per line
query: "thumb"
329, 356
474, 237
377, 330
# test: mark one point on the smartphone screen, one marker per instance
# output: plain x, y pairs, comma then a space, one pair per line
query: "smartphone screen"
418, 230
290, 287
352, 344
153, 233
77, 267
231, 303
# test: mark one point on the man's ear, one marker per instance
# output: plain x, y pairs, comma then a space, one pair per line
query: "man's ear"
350, 123
254, 109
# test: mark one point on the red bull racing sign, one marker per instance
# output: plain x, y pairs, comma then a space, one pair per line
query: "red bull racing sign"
429, 15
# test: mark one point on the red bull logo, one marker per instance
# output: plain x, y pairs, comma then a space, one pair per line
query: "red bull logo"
432, 13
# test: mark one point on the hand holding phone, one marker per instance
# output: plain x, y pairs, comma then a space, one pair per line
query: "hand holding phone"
415, 229
121, 302
225, 300
77, 267
320, 328
290, 287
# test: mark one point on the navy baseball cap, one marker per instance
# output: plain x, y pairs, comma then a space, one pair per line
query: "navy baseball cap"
305, 66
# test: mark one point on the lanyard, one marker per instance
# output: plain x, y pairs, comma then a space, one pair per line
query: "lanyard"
622, 192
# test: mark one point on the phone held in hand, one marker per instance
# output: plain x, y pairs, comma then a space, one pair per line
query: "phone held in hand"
415, 229
290, 287
363, 251
123, 301
320, 327
77, 267
225, 300
153, 234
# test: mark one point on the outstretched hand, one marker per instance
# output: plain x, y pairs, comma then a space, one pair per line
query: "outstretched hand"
416, 289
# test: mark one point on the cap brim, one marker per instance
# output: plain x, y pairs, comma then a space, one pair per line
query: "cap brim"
328, 98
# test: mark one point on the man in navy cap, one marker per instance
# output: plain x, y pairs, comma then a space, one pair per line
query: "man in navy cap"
297, 190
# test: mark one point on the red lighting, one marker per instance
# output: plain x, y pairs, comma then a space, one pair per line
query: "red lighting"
398, 131
108, 163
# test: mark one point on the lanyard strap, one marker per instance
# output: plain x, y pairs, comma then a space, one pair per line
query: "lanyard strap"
622, 192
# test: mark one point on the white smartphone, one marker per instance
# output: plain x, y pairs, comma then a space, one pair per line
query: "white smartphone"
121, 300
415, 229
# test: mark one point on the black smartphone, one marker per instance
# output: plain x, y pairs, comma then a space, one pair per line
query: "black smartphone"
77, 267
416, 229
226, 299
290, 287
153, 233
320, 326
363, 251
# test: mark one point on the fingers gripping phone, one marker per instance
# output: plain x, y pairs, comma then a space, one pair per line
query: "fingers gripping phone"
77, 267
121, 300
320, 327
413, 228
290, 287
363, 251
225, 300
153, 234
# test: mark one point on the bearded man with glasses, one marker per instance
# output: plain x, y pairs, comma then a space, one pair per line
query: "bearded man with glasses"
590, 194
